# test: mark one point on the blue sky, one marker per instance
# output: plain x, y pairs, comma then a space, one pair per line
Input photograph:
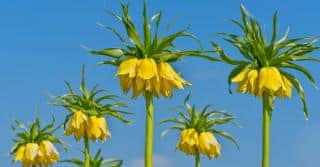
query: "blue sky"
40, 48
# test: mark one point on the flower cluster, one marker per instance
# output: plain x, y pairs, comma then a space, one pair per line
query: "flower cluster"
145, 75
38, 154
192, 143
144, 59
198, 130
267, 80
266, 67
34, 146
87, 111
92, 126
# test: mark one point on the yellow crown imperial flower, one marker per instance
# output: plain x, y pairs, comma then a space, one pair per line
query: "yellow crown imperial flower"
189, 141
43, 154
145, 75
266, 67
197, 128
77, 125
267, 80
143, 62
208, 145
94, 127
87, 111
35, 146
98, 128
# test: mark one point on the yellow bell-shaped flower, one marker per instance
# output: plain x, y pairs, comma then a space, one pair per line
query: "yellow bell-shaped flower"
169, 79
270, 80
27, 154
77, 125
189, 141
127, 73
147, 79
30, 154
98, 129
48, 154
20, 154
247, 81
208, 145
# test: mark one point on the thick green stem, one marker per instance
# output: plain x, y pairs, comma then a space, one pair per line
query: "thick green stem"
149, 131
86, 152
198, 160
267, 111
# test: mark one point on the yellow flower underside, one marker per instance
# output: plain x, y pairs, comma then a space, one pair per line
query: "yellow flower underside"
189, 141
145, 75
94, 127
208, 145
98, 129
267, 79
77, 125
43, 154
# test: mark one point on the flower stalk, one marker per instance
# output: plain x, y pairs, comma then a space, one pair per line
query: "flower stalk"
267, 112
149, 130
198, 160
86, 151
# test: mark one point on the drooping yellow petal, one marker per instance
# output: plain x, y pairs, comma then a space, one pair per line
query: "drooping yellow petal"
138, 87
31, 153
166, 87
47, 154
247, 81
253, 79
77, 125
189, 141
168, 73
286, 88
241, 76
270, 80
125, 82
208, 145
97, 129
147, 69
128, 67
20, 153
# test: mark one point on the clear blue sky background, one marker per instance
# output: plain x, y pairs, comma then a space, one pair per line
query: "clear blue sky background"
40, 48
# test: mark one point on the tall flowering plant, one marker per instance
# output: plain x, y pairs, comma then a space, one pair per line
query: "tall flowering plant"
87, 111
264, 70
198, 129
144, 63
35, 144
